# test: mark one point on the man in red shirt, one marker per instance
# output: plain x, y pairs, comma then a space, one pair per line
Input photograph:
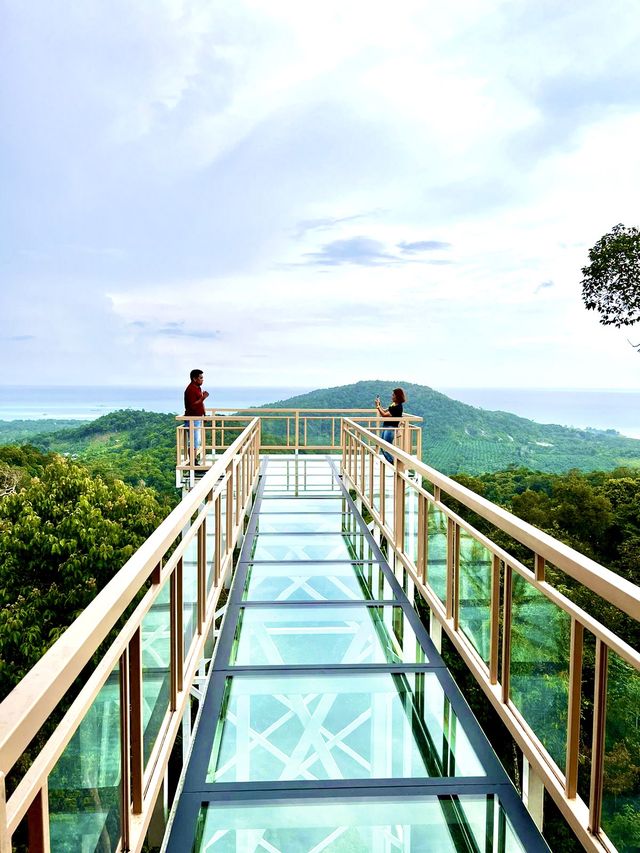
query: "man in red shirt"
194, 398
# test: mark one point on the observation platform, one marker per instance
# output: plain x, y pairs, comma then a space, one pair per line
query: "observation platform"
330, 721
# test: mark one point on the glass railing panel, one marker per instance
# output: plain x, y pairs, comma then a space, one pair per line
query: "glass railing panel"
289, 505
321, 522
621, 793
338, 726
411, 524
303, 636
311, 546
156, 656
476, 563
539, 671
437, 552
84, 785
316, 582
446, 824
190, 593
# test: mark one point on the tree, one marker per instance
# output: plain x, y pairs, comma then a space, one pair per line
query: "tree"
62, 537
611, 283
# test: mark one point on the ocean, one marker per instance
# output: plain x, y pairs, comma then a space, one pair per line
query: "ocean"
599, 409
619, 410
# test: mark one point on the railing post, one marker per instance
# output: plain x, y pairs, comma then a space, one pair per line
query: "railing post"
533, 793
38, 823
137, 730
573, 715
421, 560
494, 625
5, 843
599, 730
202, 574
297, 431
506, 632
125, 747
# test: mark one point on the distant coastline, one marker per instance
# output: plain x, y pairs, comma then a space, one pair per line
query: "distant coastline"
618, 410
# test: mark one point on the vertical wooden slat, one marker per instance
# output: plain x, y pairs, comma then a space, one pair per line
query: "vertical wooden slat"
125, 746
421, 563
494, 623
383, 489
598, 743
202, 574
362, 464
179, 617
450, 562
539, 567
506, 632
229, 515
455, 577
371, 458
156, 574
217, 554
573, 717
136, 724
5, 841
38, 823
398, 508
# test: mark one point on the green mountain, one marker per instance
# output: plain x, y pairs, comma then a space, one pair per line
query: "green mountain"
458, 438
139, 446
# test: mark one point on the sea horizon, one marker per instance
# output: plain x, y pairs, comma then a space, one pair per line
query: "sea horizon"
617, 409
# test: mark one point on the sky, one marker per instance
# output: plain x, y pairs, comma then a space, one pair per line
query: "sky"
313, 193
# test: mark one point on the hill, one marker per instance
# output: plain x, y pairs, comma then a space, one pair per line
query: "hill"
139, 446
462, 438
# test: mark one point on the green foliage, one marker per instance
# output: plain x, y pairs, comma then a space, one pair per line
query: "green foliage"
135, 446
458, 438
611, 283
62, 537
17, 431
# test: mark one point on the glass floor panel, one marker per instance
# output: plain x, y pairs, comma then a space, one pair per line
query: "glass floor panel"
338, 726
291, 505
316, 582
311, 546
277, 636
428, 824
317, 522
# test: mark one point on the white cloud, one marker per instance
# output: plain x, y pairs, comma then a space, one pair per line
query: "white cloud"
249, 172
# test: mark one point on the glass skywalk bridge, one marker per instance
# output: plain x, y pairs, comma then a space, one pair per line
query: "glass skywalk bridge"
330, 721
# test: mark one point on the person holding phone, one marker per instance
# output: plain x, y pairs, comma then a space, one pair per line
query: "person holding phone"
398, 397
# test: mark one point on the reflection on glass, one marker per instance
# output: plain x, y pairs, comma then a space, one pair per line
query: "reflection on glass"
339, 726
321, 522
437, 552
156, 655
621, 796
475, 593
288, 505
430, 824
294, 636
84, 786
321, 546
540, 666
316, 582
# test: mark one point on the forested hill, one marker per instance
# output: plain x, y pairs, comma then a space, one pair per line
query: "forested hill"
140, 446
462, 438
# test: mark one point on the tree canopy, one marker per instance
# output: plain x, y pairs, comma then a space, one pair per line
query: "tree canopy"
611, 283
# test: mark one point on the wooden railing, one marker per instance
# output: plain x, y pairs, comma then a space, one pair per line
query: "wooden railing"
198, 439
527, 644
104, 763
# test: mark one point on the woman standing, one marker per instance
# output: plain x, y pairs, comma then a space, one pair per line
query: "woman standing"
398, 397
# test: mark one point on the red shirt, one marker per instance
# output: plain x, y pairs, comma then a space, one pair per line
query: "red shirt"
193, 400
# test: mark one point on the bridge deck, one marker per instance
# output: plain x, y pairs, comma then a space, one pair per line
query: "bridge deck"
330, 722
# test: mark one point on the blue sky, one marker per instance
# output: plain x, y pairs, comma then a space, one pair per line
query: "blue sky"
313, 193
